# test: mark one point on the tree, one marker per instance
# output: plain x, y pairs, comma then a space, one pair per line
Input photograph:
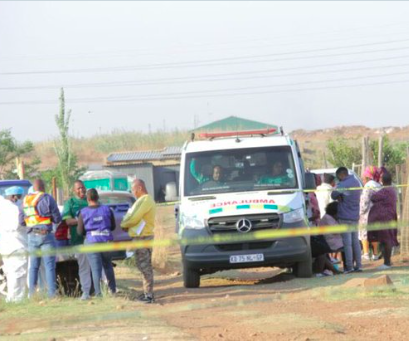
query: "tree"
67, 169
392, 154
10, 149
343, 154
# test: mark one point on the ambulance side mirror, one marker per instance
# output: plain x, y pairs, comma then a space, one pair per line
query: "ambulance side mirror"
310, 181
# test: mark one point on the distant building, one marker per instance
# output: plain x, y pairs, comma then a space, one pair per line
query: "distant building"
233, 123
157, 168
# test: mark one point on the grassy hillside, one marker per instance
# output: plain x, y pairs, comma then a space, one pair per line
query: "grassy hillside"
313, 143
96, 148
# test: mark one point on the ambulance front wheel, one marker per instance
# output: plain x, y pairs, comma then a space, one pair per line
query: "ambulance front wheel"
191, 277
303, 269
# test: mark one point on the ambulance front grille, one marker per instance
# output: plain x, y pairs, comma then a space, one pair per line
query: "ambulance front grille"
258, 222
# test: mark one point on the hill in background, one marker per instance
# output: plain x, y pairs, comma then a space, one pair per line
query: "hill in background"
94, 150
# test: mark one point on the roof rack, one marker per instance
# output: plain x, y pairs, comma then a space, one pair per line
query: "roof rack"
261, 132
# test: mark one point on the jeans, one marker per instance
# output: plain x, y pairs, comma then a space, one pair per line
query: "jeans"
62, 243
97, 261
84, 272
352, 247
44, 243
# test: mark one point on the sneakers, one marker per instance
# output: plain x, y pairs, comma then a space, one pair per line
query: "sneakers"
348, 271
376, 257
334, 260
85, 297
366, 256
325, 273
384, 267
146, 298
358, 270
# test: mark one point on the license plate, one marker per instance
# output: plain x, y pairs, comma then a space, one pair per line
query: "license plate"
258, 257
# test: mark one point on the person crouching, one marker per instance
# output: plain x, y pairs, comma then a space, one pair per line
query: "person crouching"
97, 222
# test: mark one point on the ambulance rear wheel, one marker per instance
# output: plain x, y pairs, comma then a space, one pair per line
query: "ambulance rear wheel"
191, 277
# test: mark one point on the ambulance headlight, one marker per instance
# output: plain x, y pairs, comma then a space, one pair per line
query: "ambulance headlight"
294, 216
194, 223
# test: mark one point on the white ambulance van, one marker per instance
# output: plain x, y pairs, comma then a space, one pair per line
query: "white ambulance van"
236, 183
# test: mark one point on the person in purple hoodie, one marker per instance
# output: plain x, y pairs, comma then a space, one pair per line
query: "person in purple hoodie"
348, 214
97, 222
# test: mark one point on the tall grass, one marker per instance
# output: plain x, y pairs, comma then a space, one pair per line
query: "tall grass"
127, 141
96, 148
164, 229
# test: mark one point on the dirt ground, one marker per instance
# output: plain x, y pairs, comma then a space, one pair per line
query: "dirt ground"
253, 304
264, 304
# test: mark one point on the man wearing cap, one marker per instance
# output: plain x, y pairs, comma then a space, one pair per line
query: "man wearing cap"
13, 244
40, 212
72, 208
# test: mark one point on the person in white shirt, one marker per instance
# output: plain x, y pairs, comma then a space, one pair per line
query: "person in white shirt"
13, 245
371, 178
323, 192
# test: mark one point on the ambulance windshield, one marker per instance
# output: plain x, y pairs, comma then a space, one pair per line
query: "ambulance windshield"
238, 170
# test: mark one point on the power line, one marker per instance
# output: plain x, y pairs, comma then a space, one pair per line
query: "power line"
223, 61
215, 93
222, 95
270, 42
208, 78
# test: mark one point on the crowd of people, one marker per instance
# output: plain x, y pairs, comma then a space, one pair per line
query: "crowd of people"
346, 203
29, 224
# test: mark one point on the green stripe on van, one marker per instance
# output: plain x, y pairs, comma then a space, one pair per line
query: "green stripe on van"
216, 210
271, 207
243, 207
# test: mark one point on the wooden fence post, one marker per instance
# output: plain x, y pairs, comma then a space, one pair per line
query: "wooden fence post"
365, 153
380, 151
54, 187
404, 240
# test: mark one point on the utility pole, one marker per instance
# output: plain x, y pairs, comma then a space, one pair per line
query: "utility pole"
380, 151
54, 187
195, 121
365, 153
325, 161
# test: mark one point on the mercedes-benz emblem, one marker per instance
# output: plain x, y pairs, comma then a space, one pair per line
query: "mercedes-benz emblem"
243, 225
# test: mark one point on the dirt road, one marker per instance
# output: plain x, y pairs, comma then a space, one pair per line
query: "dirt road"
264, 305
255, 304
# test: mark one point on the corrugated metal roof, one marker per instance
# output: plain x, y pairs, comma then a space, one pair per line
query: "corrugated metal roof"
172, 151
167, 153
234, 123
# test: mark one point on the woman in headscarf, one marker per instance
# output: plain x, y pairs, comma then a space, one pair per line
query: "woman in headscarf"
370, 177
384, 211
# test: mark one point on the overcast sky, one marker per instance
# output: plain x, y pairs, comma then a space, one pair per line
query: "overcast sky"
165, 65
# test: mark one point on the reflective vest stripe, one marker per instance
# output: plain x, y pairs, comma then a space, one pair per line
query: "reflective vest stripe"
32, 218
100, 233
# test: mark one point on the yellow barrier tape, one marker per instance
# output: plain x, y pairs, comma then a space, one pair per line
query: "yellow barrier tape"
205, 240
290, 191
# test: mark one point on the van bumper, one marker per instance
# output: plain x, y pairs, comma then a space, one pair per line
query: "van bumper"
277, 252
